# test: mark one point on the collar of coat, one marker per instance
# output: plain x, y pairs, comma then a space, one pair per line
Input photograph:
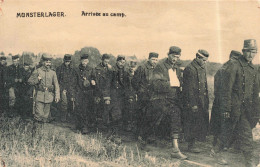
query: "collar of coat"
169, 65
244, 63
43, 68
81, 67
196, 64
148, 65
64, 66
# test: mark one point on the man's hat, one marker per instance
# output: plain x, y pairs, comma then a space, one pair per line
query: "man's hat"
2, 58
67, 57
105, 56
120, 57
46, 57
250, 44
84, 56
202, 53
235, 54
175, 50
153, 54
133, 64
15, 57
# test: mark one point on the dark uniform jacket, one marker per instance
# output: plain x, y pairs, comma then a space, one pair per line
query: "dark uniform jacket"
161, 81
118, 82
241, 91
3, 78
195, 92
26, 88
130, 91
142, 80
14, 72
84, 77
217, 108
67, 78
102, 76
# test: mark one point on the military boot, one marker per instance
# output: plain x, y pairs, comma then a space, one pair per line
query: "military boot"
176, 153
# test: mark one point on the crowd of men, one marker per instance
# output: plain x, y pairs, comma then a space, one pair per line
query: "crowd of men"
143, 99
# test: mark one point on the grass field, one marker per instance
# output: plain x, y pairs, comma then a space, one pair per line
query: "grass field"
57, 144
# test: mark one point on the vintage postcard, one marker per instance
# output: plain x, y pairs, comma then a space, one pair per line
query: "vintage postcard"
93, 112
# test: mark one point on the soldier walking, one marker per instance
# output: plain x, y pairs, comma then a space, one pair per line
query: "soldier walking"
67, 80
218, 122
3, 91
85, 110
27, 92
14, 82
196, 101
47, 89
241, 100
164, 104
130, 99
102, 82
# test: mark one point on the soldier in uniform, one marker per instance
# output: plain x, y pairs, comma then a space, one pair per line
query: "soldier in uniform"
101, 80
164, 102
26, 91
14, 83
141, 82
118, 85
241, 100
130, 99
3, 92
216, 116
67, 80
196, 101
47, 90
85, 110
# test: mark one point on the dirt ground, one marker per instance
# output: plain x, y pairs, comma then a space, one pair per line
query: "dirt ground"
162, 148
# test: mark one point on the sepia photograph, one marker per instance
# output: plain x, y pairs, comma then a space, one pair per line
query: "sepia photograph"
116, 83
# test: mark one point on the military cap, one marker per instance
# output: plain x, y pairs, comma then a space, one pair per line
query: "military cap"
67, 57
133, 64
250, 44
84, 56
202, 53
46, 57
2, 58
153, 54
175, 50
235, 54
15, 57
120, 57
105, 56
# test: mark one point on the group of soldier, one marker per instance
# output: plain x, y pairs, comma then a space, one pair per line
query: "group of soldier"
144, 99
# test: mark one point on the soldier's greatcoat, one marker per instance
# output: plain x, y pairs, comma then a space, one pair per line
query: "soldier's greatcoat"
164, 102
195, 92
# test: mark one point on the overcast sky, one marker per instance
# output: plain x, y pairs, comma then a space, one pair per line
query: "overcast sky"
216, 26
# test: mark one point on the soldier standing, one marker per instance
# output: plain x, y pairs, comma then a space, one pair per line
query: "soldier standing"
217, 121
241, 99
3, 92
67, 81
196, 101
102, 81
141, 82
130, 99
164, 104
118, 85
26, 91
47, 89
14, 85
85, 110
